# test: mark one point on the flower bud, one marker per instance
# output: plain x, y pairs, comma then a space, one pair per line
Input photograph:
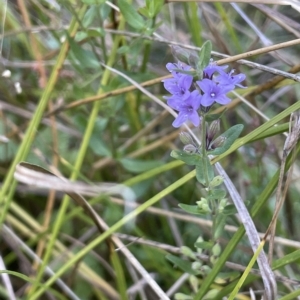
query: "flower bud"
205, 270
181, 296
185, 138
193, 59
196, 265
213, 129
203, 205
216, 249
222, 205
223, 202
202, 201
190, 149
199, 240
206, 208
216, 181
194, 282
218, 142
213, 259
180, 53
187, 252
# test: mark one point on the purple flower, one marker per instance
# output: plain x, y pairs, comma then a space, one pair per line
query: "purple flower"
180, 66
213, 92
187, 109
212, 68
231, 80
179, 86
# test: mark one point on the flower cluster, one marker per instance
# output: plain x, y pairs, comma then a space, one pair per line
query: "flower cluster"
188, 95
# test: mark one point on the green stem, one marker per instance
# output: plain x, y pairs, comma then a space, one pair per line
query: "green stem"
203, 149
147, 51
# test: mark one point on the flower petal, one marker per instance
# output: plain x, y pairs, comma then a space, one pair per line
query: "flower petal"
171, 67
206, 100
206, 85
229, 79
212, 68
196, 99
175, 103
181, 118
223, 99
194, 118
185, 82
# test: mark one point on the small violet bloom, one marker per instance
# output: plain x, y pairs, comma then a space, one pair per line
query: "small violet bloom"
230, 80
179, 87
187, 109
180, 84
211, 69
180, 66
213, 92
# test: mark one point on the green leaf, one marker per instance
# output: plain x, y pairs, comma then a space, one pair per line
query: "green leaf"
81, 35
230, 136
95, 32
151, 9
205, 53
139, 166
85, 58
90, 15
204, 245
99, 147
217, 194
157, 5
182, 264
105, 11
123, 49
229, 209
132, 17
189, 159
144, 11
192, 209
204, 57
204, 169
